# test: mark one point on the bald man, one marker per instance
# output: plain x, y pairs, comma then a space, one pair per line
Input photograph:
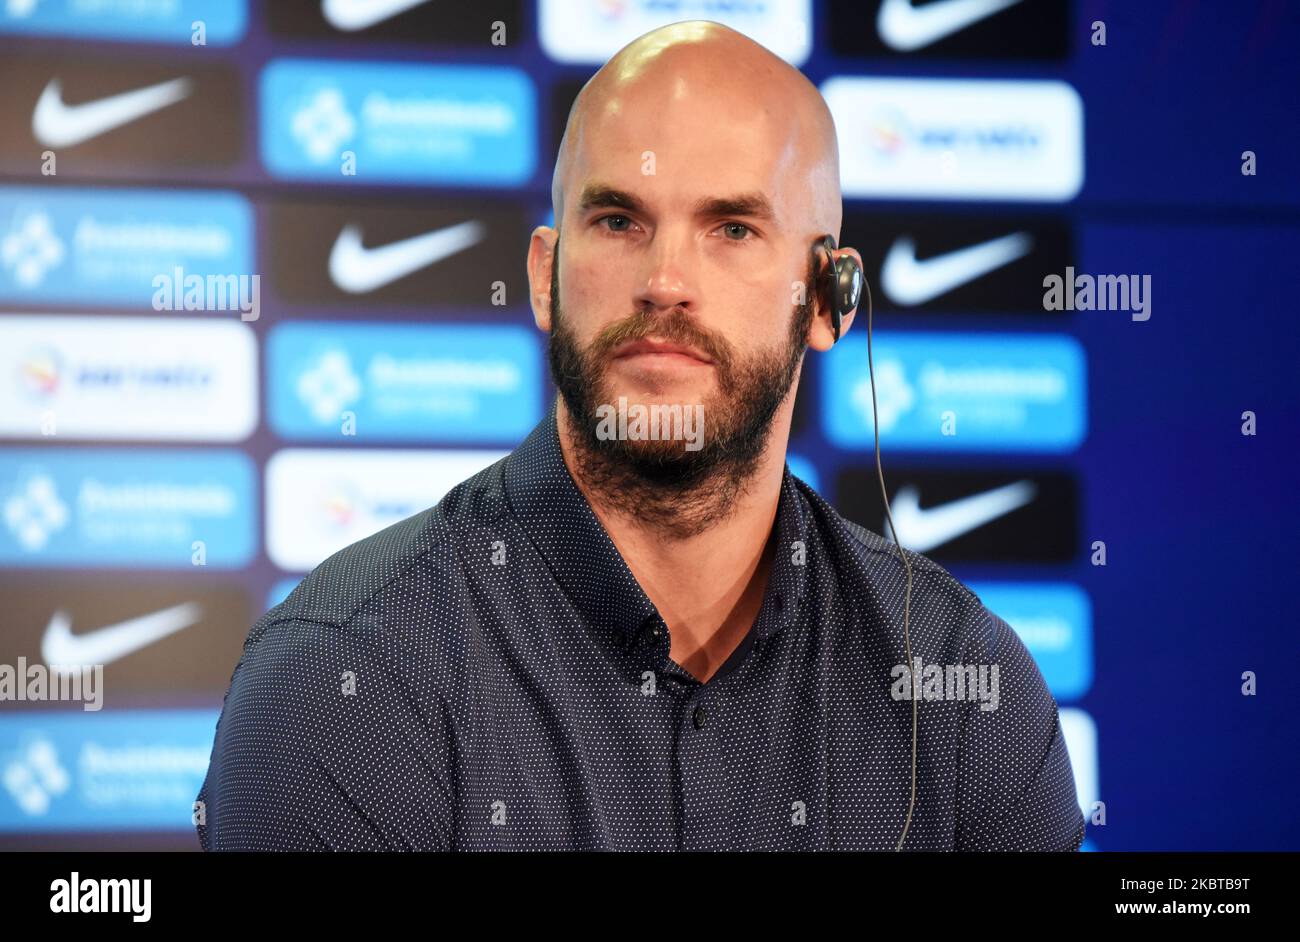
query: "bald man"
639, 631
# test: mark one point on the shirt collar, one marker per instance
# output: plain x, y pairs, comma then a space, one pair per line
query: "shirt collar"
588, 566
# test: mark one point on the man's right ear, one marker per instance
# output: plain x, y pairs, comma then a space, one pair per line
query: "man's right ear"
541, 258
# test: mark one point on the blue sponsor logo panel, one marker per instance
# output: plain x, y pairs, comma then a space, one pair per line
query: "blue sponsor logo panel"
127, 508
130, 770
430, 382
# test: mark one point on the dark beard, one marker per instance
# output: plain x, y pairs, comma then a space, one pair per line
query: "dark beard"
677, 491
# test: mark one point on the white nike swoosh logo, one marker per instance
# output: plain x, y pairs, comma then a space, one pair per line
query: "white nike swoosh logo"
921, 530
352, 15
60, 646
907, 281
58, 125
905, 28
357, 269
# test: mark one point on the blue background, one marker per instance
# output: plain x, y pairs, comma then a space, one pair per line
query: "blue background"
1199, 520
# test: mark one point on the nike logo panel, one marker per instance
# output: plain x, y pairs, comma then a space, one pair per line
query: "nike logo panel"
904, 27
960, 263
56, 124
910, 282
1022, 515
148, 118
358, 270
59, 646
353, 15
956, 30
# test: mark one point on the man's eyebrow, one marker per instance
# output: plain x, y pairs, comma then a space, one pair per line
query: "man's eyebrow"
754, 205
596, 195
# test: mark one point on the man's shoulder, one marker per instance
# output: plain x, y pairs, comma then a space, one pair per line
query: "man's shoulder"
872, 549
865, 557
424, 545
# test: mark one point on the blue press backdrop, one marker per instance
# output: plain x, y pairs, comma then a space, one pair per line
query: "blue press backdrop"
187, 467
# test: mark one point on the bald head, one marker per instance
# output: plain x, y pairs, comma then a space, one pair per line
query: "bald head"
686, 79
696, 178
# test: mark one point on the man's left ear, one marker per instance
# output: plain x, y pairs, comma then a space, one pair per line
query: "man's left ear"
820, 335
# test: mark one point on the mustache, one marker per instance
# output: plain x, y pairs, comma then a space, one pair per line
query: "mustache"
677, 327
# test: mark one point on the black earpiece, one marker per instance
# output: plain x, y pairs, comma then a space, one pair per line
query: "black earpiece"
841, 283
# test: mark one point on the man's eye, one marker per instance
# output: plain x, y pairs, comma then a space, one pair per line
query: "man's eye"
736, 225
622, 218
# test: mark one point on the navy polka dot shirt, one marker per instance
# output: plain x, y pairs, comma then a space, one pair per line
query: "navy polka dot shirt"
488, 675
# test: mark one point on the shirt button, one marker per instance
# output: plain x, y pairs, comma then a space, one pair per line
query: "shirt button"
698, 717
651, 635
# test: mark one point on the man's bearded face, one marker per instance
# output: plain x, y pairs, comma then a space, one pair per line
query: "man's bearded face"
737, 415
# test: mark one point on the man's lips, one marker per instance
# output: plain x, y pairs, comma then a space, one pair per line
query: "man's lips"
659, 348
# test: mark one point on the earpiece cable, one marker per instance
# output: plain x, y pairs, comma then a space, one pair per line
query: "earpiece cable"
902, 555
833, 287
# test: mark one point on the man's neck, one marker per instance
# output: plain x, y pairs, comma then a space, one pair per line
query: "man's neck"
708, 586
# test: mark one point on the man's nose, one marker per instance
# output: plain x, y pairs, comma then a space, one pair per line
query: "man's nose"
667, 274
